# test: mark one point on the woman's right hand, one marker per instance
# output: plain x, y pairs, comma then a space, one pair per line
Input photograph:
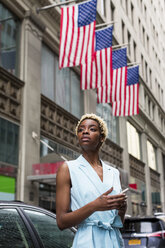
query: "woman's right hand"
109, 202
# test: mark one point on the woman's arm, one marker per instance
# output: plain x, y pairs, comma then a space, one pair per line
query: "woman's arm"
65, 218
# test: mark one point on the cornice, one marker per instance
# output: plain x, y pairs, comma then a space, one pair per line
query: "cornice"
8, 76
17, 7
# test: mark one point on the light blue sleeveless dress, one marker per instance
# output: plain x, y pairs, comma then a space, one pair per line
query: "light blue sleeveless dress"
101, 229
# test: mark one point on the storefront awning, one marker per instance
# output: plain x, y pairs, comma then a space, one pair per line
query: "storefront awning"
45, 171
47, 178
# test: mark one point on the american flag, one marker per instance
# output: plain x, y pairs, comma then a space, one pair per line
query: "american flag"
99, 72
130, 104
117, 89
77, 33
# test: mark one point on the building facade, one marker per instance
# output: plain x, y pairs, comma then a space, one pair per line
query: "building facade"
40, 104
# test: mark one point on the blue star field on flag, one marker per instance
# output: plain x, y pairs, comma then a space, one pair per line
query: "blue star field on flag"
133, 75
103, 38
87, 13
119, 58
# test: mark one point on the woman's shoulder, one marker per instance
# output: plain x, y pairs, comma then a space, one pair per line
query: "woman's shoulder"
74, 162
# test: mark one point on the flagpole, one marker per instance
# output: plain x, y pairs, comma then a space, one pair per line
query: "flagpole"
133, 63
38, 10
122, 45
106, 23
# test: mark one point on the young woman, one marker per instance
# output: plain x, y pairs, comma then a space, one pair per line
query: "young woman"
88, 191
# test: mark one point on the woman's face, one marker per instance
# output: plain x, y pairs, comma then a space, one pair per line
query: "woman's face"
89, 135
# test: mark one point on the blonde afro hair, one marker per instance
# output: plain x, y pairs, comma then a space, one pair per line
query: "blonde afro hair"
99, 120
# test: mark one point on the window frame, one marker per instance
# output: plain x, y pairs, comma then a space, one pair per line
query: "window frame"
17, 40
71, 71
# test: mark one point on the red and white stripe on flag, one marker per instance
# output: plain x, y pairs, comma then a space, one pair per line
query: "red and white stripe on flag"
76, 43
129, 105
115, 91
98, 72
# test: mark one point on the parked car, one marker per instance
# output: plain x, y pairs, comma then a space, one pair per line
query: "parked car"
144, 232
25, 226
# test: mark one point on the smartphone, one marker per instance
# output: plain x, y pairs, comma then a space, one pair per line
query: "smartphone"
124, 191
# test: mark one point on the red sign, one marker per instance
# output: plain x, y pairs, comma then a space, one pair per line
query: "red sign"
8, 170
44, 169
133, 186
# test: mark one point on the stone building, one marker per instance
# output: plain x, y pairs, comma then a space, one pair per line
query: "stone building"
40, 104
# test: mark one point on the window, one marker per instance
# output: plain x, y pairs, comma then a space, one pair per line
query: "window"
132, 14
146, 72
123, 32
159, 92
163, 159
47, 196
126, 6
48, 231
112, 9
162, 98
58, 149
105, 111
151, 155
61, 86
47, 70
141, 5
162, 120
63, 91
145, 12
150, 74
129, 42
134, 49
142, 226
147, 44
76, 95
139, 22
13, 231
9, 142
103, 8
153, 112
142, 68
149, 107
133, 140
9, 30
143, 37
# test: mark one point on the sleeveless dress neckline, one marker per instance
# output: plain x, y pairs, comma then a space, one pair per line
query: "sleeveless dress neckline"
101, 229
95, 170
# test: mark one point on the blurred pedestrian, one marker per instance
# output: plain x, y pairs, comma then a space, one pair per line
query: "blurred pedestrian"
88, 191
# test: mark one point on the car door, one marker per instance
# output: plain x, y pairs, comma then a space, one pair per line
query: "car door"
48, 231
13, 230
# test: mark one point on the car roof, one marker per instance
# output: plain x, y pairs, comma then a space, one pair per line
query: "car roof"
144, 218
23, 204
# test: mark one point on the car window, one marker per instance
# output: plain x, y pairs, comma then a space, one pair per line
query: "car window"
162, 218
48, 231
141, 226
13, 232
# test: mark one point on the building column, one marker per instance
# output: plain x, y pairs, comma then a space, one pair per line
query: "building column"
147, 173
124, 145
162, 181
30, 73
